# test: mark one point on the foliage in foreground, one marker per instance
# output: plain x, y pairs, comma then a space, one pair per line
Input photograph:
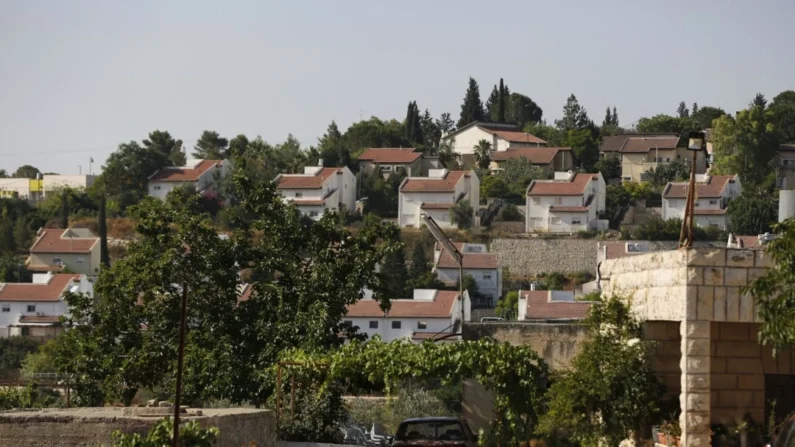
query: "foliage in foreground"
774, 292
408, 404
515, 374
29, 397
611, 390
190, 435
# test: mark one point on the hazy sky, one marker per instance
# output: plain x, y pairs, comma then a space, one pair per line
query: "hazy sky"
79, 77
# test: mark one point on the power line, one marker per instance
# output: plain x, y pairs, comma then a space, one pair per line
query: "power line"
74, 151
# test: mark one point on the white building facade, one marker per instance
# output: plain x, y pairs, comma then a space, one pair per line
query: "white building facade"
53, 182
569, 203
34, 308
202, 175
482, 266
501, 136
713, 194
318, 190
435, 195
429, 313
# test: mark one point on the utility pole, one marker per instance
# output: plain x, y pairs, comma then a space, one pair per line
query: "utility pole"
442, 238
180, 360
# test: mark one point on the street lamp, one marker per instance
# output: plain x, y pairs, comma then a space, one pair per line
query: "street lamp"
442, 238
695, 144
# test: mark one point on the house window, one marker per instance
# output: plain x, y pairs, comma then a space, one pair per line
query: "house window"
374, 325
299, 194
31, 308
487, 276
157, 188
713, 202
81, 259
556, 221
536, 201
398, 168
396, 325
347, 323
422, 325
313, 214
386, 168
57, 261
576, 221
558, 200
6, 308
696, 203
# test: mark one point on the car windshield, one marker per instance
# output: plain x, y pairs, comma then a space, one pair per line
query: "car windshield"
431, 430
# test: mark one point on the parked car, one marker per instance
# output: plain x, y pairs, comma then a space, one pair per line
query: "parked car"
435, 431
378, 436
786, 437
354, 435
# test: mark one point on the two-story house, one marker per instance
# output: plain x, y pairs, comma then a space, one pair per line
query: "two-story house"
550, 159
318, 189
76, 249
641, 152
550, 305
482, 266
569, 203
429, 314
786, 167
389, 160
501, 136
713, 193
33, 309
52, 183
202, 175
22, 188
435, 195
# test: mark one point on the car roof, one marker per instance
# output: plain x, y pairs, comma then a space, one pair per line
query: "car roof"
432, 419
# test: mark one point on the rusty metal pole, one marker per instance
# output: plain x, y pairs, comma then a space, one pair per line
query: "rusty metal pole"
180, 360
693, 200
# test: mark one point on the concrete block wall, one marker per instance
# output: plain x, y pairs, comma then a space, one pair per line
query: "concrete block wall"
666, 352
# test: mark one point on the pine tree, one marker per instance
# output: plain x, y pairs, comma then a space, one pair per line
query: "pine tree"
419, 263
608, 121
615, 116
759, 101
408, 123
211, 146
472, 108
491, 104
394, 275
22, 233
416, 122
695, 108
682, 110
574, 116
7, 243
65, 209
502, 102
104, 257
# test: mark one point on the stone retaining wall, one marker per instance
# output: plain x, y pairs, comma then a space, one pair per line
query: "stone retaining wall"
528, 257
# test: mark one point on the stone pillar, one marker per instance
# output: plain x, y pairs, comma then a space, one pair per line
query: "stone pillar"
695, 398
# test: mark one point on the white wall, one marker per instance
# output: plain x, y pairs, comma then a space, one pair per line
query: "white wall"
55, 182
348, 189
161, 189
409, 206
19, 185
466, 141
408, 326
491, 286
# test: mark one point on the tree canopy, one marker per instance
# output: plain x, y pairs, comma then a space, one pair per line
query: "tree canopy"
26, 171
472, 108
211, 146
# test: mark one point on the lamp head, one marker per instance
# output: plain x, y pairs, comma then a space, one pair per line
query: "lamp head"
696, 141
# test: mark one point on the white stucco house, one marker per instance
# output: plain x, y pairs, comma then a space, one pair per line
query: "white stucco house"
318, 189
54, 249
502, 137
51, 183
33, 309
484, 267
550, 305
435, 195
429, 314
569, 203
391, 160
713, 193
202, 175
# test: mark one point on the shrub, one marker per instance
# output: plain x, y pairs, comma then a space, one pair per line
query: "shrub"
190, 435
510, 213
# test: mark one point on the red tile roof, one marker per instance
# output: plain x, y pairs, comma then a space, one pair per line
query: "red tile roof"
514, 136
39, 319
426, 184
576, 187
705, 212
535, 155
390, 155
437, 206
303, 181
487, 261
184, 174
51, 241
440, 307
712, 189
616, 142
644, 144
540, 308
51, 291
748, 241
787, 148
615, 250
568, 209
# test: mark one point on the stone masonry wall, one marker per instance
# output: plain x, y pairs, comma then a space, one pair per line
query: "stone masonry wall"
666, 353
527, 257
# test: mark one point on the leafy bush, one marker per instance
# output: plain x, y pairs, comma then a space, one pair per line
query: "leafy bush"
508, 306
13, 351
318, 415
407, 404
586, 234
190, 435
41, 361
29, 397
510, 213
553, 281
461, 214
658, 229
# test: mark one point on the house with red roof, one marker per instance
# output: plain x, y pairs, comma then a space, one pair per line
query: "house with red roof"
550, 159
435, 195
713, 193
785, 175
641, 152
482, 266
75, 249
551, 305
568, 203
501, 136
202, 175
318, 189
391, 160
429, 314
34, 309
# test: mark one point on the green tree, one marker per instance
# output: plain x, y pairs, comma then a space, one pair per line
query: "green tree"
374, 133
608, 121
102, 223
695, 108
759, 101
682, 110
190, 434
574, 117
548, 133
431, 133
612, 389
617, 202
419, 262
472, 108
615, 117
210, 146
7, 241
746, 146
64, 222
774, 292
584, 144
238, 146
782, 109
163, 142
483, 154
22, 233
331, 148
124, 176
41, 361
753, 212
462, 214
520, 170
26, 171
490, 106
470, 285
3, 173
493, 186
297, 301
521, 110
676, 171
445, 123
412, 124
508, 306
609, 166
502, 101
704, 116
395, 275
13, 351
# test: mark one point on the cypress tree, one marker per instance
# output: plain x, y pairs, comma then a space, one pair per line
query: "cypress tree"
472, 108
615, 116
395, 276
608, 118
408, 123
64, 210
490, 107
501, 103
419, 263
104, 257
